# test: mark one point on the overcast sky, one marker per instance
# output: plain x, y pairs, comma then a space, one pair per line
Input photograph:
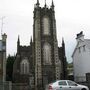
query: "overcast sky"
72, 16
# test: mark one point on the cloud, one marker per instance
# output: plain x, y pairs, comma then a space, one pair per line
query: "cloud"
72, 16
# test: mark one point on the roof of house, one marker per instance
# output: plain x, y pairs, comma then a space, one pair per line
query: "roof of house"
87, 43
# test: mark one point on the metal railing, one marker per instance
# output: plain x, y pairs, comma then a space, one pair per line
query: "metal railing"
5, 86
20, 86
80, 79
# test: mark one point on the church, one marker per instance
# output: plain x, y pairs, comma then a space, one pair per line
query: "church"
41, 62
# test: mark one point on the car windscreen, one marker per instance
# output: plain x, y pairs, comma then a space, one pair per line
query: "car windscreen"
62, 83
71, 83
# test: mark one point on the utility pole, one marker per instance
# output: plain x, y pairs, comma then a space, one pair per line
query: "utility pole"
2, 24
3, 82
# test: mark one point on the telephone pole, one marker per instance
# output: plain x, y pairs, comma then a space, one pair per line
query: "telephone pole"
2, 24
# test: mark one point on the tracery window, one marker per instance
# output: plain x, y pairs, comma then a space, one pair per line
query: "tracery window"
46, 26
47, 54
24, 66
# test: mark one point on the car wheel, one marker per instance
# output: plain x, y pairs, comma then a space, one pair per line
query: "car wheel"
83, 89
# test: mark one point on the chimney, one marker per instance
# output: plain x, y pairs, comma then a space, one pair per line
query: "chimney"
4, 37
80, 36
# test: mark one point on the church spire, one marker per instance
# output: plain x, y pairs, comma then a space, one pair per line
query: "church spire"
62, 41
63, 46
52, 4
18, 42
37, 3
31, 41
45, 3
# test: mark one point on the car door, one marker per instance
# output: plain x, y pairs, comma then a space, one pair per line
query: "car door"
72, 85
63, 85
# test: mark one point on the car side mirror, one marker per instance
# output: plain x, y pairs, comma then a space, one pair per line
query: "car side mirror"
76, 85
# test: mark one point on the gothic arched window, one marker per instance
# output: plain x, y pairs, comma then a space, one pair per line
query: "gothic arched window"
46, 26
47, 54
24, 66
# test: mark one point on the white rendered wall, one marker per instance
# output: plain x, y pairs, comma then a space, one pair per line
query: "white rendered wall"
81, 62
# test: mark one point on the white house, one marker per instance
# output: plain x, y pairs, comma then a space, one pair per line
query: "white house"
81, 58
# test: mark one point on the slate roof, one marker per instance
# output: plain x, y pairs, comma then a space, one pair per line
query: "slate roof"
87, 41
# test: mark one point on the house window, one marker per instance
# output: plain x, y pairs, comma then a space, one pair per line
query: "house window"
83, 47
24, 66
79, 49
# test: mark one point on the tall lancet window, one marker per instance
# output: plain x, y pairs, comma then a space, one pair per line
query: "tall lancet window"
47, 54
24, 67
46, 25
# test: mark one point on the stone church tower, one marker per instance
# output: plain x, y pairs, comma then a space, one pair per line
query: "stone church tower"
39, 63
47, 63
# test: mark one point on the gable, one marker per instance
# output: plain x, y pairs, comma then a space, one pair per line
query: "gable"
85, 43
79, 44
75, 49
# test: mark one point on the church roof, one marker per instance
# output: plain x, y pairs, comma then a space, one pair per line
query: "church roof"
25, 48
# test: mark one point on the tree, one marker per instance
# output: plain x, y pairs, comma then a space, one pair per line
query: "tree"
9, 67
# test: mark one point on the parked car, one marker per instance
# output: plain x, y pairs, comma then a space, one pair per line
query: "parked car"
66, 85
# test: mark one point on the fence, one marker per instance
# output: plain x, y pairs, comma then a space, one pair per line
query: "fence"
80, 78
20, 86
5, 86
14, 86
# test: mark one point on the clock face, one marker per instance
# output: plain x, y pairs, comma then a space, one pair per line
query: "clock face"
46, 26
